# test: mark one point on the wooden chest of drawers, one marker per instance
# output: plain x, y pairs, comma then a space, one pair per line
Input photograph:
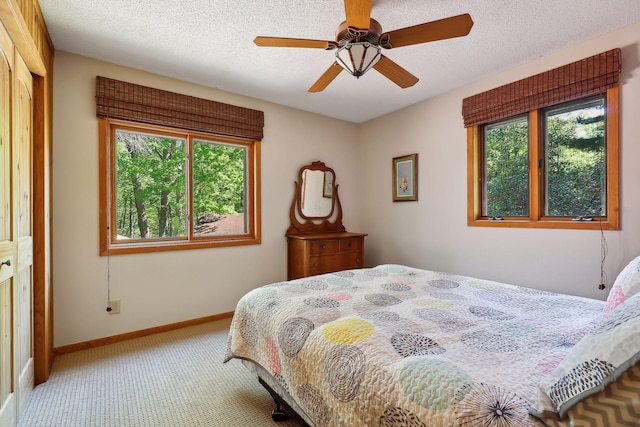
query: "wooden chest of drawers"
313, 254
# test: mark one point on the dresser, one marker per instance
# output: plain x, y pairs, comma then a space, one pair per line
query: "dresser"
320, 253
317, 241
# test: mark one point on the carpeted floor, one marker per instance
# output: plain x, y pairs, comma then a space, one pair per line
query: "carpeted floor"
171, 379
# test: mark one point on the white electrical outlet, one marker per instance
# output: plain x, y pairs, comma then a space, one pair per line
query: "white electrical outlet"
115, 306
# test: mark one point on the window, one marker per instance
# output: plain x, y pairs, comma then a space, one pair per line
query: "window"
554, 165
177, 190
179, 186
505, 180
574, 166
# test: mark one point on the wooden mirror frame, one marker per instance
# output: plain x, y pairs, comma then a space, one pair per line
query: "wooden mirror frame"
301, 224
301, 189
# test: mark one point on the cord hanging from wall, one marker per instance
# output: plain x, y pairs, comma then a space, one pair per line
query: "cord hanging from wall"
604, 249
109, 309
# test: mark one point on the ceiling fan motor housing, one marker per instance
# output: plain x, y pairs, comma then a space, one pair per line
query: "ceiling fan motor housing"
346, 34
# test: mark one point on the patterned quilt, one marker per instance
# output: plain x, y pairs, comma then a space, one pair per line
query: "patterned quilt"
399, 346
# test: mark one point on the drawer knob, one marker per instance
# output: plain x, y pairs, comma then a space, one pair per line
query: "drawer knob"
7, 263
324, 246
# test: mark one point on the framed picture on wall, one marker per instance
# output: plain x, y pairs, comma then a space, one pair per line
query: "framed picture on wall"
405, 178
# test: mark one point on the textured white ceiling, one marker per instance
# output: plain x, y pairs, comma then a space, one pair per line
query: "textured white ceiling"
210, 42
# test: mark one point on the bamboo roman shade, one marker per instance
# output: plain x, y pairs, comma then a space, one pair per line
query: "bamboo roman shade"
589, 76
127, 101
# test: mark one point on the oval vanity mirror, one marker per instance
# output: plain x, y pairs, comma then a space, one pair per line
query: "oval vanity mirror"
316, 193
316, 205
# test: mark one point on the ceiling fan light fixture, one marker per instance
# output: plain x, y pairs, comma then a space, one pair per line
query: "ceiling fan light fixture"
358, 57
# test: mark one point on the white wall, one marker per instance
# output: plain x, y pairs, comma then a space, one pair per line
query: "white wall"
433, 233
167, 287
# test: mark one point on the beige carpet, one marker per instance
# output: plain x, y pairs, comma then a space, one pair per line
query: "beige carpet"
171, 379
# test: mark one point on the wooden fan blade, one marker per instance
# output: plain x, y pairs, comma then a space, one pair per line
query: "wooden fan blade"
455, 26
358, 13
326, 78
286, 42
395, 73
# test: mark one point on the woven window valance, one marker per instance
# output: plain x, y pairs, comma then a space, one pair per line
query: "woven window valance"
127, 101
589, 76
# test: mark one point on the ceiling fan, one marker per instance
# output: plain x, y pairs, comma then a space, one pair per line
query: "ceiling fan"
359, 40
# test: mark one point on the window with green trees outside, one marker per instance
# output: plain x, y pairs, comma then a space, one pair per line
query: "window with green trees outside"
543, 151
572, 166
172, 189
555, 167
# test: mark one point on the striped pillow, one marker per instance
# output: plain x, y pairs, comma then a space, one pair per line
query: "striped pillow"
617, 405
598, 359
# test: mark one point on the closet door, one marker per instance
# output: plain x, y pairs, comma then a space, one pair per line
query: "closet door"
16, 236
8, 407
21, 138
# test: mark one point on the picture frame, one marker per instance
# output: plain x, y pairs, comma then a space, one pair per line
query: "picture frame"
327, 186
405, 178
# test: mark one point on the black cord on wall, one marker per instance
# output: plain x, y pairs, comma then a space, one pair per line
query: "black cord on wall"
108, 277
604, 249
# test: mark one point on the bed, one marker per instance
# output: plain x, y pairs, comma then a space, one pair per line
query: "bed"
400, 346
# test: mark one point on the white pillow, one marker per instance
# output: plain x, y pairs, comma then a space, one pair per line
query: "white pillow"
626, 285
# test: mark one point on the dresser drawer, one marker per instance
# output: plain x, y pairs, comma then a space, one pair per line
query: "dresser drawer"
331, 263
321, 247
351, 244
323, 253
